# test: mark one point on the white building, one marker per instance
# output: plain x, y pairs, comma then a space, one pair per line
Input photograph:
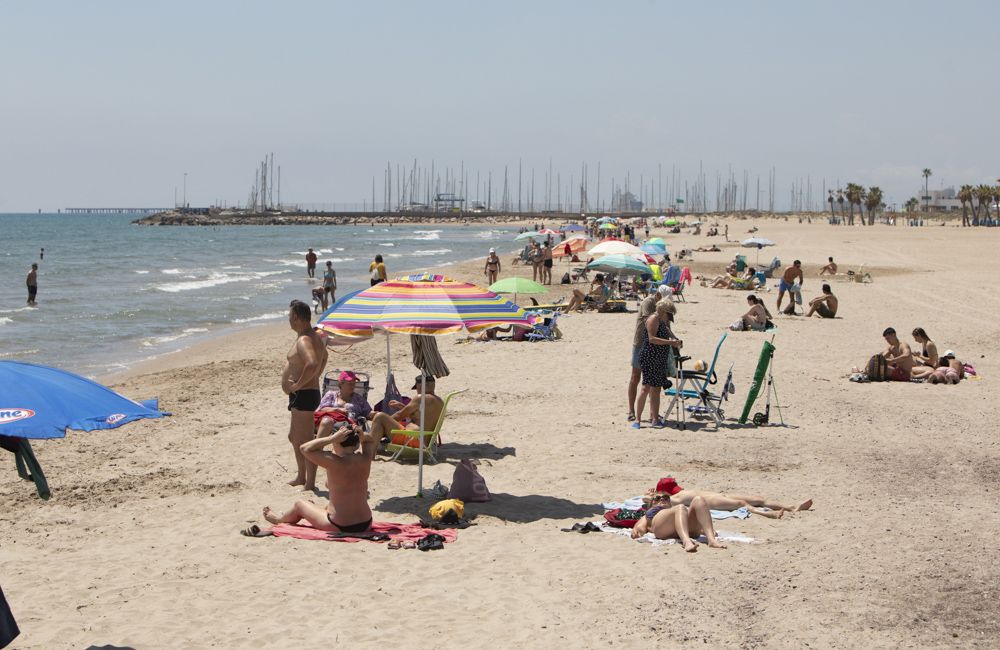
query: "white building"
943, 200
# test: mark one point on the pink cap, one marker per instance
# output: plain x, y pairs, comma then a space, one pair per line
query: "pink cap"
347, 375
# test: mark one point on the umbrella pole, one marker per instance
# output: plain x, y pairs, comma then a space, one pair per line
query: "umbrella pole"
420, 457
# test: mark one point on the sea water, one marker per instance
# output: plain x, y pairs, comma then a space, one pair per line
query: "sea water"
111, 293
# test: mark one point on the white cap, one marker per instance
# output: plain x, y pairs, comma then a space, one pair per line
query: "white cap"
949, 353
493, 250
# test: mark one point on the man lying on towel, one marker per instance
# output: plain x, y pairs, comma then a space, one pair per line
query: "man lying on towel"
348, 464
408, 416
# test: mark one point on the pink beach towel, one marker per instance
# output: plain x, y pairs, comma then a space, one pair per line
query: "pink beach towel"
401, 532
685, 275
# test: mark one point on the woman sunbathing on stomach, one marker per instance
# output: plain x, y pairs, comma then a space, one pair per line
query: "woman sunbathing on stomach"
667, 521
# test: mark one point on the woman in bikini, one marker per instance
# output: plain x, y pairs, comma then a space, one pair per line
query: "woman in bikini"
668, 521
948, 371
492, 267
928, 357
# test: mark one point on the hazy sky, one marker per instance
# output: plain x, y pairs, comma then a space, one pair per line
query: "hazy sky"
110, 103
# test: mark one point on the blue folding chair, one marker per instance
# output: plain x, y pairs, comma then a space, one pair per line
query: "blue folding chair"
695, 385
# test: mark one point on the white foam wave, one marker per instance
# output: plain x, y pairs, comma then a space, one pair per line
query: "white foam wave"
338, 260
427, 237
141, 272
325, 250
386, 243
425, 232
213, 280
436, 251
395, 254
4, 320
341, 250
171, 271
254, 319
230, 268
160, 340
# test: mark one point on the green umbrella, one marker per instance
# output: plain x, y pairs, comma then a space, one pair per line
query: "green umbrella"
608, 226
531, 234
619, 264
670, 222
766, 352
516, 285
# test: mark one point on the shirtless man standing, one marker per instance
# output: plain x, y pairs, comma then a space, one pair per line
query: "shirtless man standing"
788, 278
300, 381
825, 305
32, 283
898, 355
408, 416
348, 465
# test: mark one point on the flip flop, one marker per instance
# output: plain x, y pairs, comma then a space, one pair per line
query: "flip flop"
631, 417
255, 531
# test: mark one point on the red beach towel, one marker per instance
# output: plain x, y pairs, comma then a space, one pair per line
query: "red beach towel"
401, 532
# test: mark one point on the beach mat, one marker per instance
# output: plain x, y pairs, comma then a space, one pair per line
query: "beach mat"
400, 532
649, 538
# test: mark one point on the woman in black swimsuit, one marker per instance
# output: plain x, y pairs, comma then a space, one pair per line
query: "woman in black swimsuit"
492, 267
681, 522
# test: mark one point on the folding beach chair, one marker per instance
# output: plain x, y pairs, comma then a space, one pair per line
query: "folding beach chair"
363, 386
404, 444
696, 385
545, 328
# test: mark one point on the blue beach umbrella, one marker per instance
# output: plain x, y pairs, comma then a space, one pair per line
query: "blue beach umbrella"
653, 249
39, 402
573, 227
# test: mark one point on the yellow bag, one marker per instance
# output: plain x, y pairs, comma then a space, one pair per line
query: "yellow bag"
441, 508
657, 272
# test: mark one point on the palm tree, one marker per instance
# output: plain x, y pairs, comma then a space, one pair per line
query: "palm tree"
927, 174
911, 204
840, 201
829, 199
873, 202
996, 198
965, 196
852, 198
984, 194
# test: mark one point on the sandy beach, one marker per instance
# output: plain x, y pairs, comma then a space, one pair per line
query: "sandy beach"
139, 545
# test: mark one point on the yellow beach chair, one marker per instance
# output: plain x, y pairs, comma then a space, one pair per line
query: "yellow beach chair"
404, 444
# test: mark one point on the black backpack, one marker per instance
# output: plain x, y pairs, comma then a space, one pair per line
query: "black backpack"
877, 368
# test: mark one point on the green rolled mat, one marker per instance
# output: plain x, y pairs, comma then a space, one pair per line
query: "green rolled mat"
758, 379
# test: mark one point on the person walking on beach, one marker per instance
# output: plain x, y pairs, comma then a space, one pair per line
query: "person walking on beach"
547, 263
788, 277
300, 381
329, 284
492, 267
32, 282
377, 270
41, 254
311, 263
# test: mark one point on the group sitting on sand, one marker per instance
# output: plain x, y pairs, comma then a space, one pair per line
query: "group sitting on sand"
927, 365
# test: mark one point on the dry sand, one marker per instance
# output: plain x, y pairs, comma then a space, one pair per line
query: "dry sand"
139, 545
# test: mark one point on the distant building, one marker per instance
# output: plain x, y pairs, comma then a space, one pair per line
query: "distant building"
944, 200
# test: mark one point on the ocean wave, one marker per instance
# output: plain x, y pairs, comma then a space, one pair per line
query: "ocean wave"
254, 319
231, 268
395, 254
425, 232
386, 243
436, 251
214, 280
171, 271
4, 320
338, 260
169, 338
336, 248
429, 236
18, 353
141, 272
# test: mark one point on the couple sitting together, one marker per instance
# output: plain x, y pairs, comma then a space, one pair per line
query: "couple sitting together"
904, 364
345, 449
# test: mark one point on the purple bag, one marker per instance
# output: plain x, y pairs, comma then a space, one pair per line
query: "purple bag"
467, 484
391, 393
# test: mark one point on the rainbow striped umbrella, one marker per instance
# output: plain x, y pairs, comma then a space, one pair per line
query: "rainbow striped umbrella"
420, 307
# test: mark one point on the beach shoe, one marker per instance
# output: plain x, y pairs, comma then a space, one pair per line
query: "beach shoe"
659, 423
394, 544
431, 542
583, 529
255, 531
631, 417
636, 425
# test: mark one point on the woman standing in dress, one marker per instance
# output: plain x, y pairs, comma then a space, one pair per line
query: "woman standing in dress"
656, 360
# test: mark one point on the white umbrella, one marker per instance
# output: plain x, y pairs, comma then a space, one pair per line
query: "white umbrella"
614, 247
758, 243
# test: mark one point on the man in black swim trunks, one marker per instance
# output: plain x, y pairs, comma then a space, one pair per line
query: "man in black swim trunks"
348, 464
304, 366
32, 282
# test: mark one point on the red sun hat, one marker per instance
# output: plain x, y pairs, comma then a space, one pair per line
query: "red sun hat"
668, 485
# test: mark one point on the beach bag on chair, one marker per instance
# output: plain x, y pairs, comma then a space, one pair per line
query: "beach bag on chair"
391, 393
877, 368
467, 484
